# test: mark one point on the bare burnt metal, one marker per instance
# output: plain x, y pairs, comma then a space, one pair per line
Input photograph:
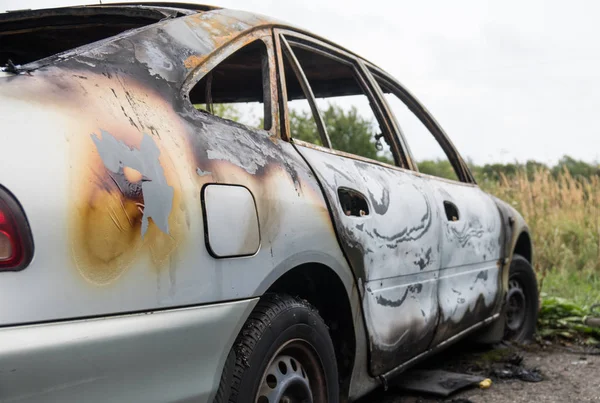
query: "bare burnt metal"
427, 258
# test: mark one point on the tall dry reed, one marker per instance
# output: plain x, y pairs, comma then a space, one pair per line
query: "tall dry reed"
563, 214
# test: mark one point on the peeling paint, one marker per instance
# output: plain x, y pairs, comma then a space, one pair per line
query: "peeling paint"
157, 195
200, 172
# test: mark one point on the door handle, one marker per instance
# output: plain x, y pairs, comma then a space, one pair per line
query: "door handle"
451, 211
353, 203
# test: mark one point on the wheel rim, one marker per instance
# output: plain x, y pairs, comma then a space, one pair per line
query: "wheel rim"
516, 305
294, 375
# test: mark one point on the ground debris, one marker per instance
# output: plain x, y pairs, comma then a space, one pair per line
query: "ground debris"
564, 381
511, 367
515, 372
515, 359
437, 382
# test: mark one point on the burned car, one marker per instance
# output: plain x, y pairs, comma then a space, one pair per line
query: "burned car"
169, 231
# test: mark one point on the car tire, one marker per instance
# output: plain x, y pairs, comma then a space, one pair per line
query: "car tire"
522, 301
283, 354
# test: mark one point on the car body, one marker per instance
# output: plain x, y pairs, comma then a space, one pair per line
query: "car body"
156, 228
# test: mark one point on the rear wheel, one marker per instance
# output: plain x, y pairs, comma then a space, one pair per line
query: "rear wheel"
522, 302
284, 354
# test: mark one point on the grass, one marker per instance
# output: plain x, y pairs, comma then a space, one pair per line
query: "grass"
564, 217
563, 214
581, 288
561, 318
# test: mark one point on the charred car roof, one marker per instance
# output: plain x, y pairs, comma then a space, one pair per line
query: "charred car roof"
28, 36
130, 9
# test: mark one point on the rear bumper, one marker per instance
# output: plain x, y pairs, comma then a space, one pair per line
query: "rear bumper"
165, 356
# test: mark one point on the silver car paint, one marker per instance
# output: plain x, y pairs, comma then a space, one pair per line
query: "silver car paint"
231, 221
166, 356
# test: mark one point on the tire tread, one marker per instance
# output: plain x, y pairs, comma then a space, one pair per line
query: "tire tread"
266, 311
522, 266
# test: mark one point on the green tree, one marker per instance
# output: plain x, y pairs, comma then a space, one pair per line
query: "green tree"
440, 168
349, 132
303, 126
577, 168
347, 129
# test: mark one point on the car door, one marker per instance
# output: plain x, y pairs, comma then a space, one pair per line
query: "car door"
470, 245
470, 279
386, 217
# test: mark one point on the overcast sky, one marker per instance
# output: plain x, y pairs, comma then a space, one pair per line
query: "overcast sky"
507, 80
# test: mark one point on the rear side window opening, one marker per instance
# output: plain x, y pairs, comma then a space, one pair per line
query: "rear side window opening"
28, 36
237, 88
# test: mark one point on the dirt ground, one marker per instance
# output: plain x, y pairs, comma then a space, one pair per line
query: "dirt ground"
569, 373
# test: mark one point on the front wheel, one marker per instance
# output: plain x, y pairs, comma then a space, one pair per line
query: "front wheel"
522, 302
284, 354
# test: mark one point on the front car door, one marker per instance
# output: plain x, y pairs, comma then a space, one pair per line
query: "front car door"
386, 217
470, 277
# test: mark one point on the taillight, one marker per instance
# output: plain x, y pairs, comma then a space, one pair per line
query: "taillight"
16, 243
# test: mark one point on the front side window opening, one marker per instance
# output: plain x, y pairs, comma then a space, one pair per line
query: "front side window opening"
346, 110
302, 122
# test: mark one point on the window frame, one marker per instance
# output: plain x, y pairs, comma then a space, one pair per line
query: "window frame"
217, 56
284, 39
288, 53
418, 109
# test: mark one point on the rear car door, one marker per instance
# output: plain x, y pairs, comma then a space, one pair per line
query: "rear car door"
386, 217
470, 276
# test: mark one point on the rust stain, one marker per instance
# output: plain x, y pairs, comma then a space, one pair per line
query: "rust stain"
193, 61
221, 28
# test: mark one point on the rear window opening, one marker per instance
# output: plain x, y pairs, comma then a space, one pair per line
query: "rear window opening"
27, 36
